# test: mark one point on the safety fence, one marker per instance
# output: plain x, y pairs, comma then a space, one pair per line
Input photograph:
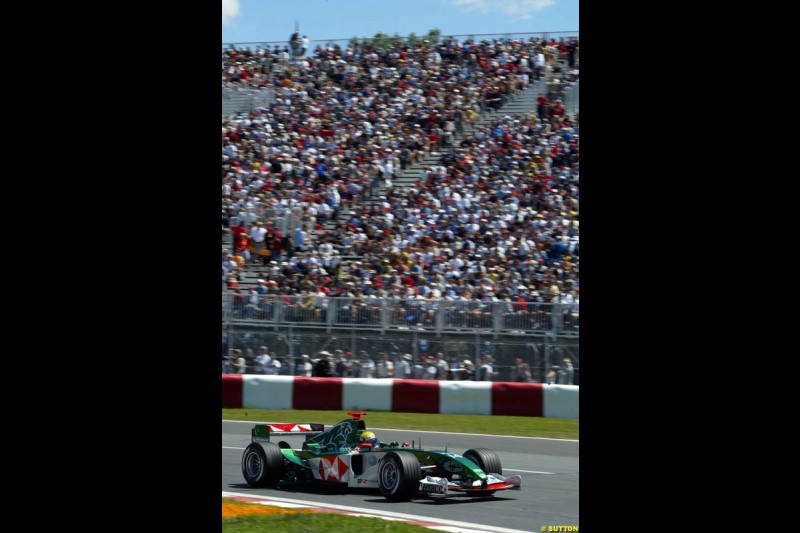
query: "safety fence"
383, 314
544, 355
456, 38
284, 220
237, 100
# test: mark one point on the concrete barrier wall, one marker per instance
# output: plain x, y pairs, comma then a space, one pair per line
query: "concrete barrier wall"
400, 395
561, 401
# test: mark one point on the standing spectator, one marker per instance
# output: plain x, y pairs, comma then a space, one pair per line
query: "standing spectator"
250, 359
342, 364
257, 234
551, 376
455, 371
303, 367
541, 106
243, 247
227, 367
571, 51
486, 371
418, 371
442, 368
468, 372
275, 367
385, 367
431, 370
239, 364
566, 374
263, 360
539, 63
294, 45
303, 45
323, 368
402, 370
286, 366
367, 366
521, 372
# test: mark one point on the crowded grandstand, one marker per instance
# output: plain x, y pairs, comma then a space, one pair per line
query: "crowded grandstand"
391, 187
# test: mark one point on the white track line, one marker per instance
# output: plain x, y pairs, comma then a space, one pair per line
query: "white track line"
390, 514
436, 432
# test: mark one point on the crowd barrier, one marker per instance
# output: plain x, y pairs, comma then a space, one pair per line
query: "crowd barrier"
400, 395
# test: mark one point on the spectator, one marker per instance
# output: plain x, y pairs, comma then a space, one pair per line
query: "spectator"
402, 368
385, 367
303, 367
303, 45
521, 372
263, 361
486, 370
468, 372
323, 368
566, 373
295, 44
227, 366
239, 363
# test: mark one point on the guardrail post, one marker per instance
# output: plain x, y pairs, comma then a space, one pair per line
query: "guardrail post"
497, 318
384, 315
558, 318
226, 312
440, 312
331, 310
278, 311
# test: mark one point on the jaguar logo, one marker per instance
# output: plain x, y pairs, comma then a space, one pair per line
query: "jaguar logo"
452, 466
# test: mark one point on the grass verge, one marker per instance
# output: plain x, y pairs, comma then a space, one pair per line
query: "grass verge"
250, 518
521, 426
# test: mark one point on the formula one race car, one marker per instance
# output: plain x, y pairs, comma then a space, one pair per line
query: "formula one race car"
343, 454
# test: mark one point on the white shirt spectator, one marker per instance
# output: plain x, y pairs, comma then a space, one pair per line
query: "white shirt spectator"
263, 362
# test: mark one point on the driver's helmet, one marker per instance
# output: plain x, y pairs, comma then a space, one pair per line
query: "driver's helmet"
369, 438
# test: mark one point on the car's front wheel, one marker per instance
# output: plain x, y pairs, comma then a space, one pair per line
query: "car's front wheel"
485, 458
488, 461
262, 464
399, 476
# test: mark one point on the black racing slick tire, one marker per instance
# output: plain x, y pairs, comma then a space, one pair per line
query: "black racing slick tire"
399, 476
485, 458
262, 464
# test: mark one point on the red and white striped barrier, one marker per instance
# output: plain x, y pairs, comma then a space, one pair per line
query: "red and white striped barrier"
400, 395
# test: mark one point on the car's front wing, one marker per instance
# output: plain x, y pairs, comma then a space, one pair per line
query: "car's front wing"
442, 488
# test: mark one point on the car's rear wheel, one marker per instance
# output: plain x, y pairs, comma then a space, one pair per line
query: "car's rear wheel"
262, 464
399, 476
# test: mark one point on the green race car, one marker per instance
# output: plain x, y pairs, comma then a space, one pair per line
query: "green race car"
343, 455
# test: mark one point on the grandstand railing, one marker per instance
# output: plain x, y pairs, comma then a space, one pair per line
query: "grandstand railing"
439, 316
572, 98
245, 100
344, 42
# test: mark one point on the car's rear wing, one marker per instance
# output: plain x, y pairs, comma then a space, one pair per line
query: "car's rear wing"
263, 432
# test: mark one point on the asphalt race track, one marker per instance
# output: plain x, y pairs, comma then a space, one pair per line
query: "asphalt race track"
549, 471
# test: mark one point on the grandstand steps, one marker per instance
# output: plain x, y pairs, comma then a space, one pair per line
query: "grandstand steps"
235, 102
520, 103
